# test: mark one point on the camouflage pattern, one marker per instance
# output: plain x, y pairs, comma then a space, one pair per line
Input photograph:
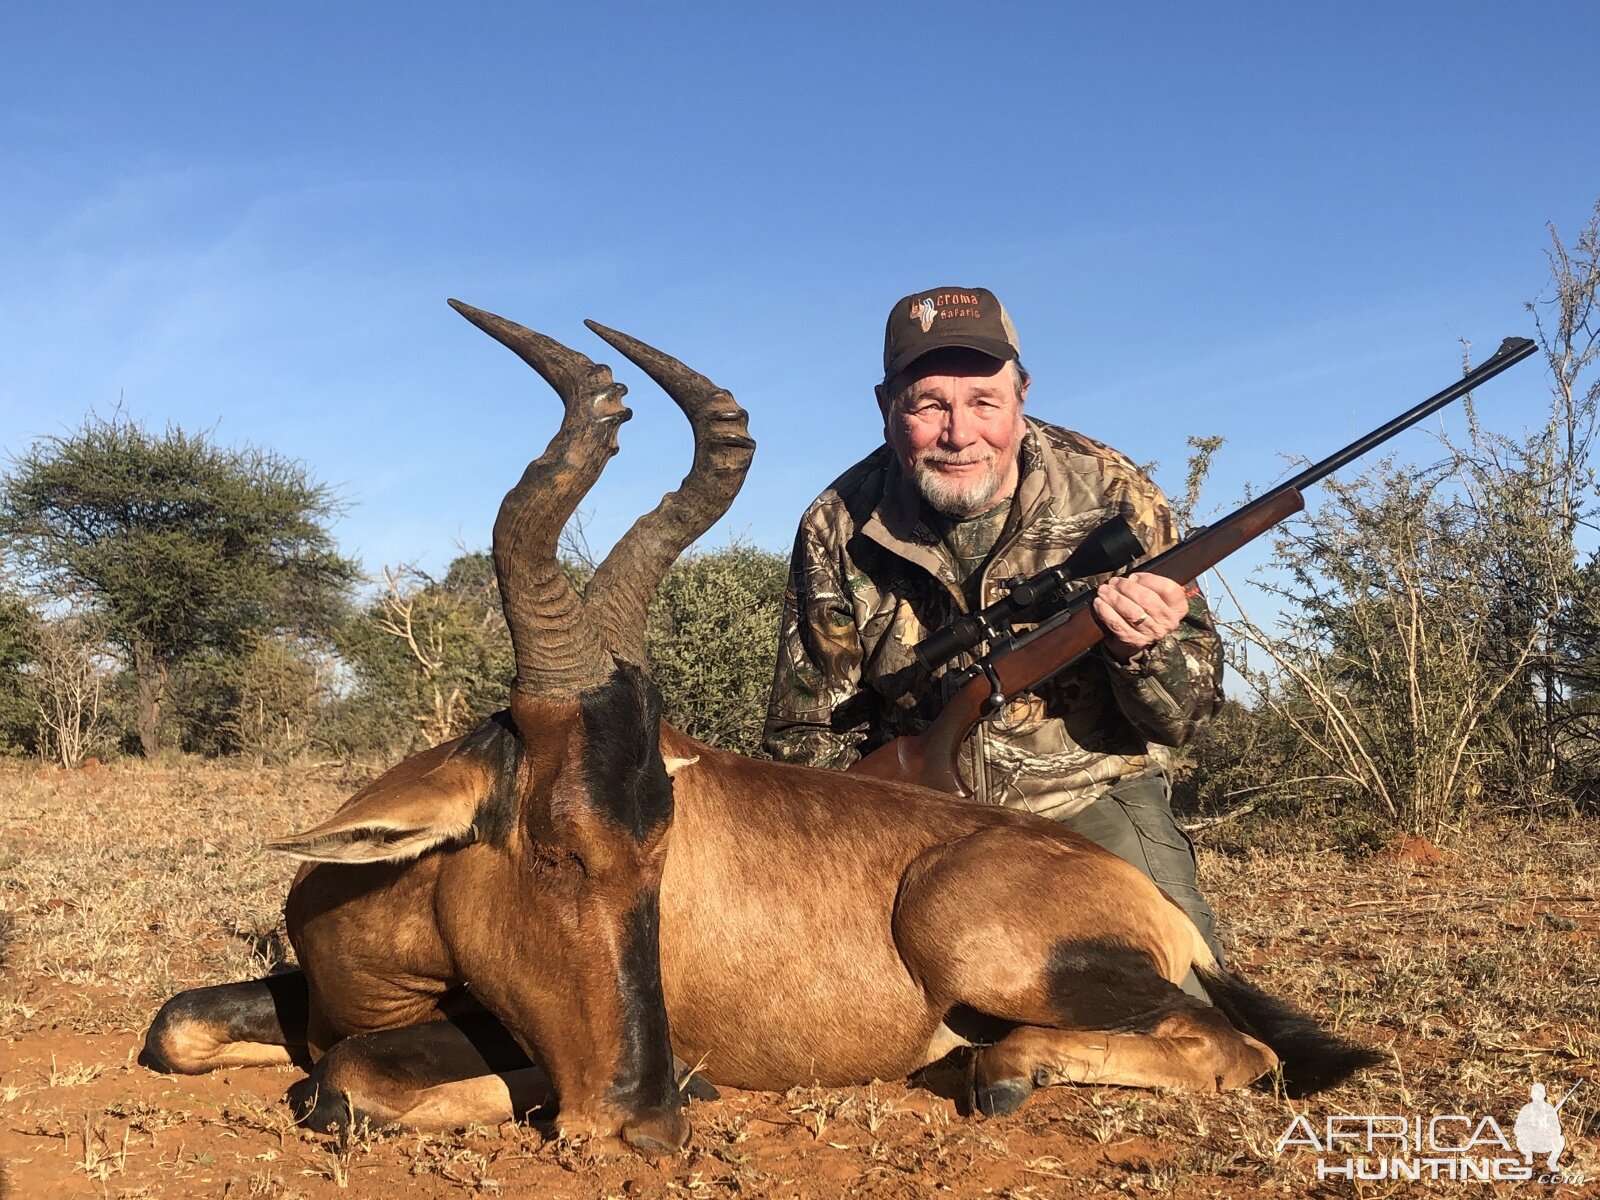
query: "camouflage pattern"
874, 573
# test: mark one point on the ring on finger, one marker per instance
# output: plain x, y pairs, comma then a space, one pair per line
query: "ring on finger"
1139, 620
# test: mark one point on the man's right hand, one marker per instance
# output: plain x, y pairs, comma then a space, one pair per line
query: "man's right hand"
1137, 611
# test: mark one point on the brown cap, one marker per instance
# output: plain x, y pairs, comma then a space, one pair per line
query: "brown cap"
949, 316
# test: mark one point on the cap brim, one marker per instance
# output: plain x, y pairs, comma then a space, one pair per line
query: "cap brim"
993, 347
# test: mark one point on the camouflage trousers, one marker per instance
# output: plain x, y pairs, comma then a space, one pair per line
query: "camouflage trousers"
1134, 821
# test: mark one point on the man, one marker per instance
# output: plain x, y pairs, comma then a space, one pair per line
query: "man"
966, 496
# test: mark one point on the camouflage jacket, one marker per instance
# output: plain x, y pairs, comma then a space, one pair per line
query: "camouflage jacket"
871, 576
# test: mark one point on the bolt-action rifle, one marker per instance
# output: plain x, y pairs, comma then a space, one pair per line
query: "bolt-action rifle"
1066, 629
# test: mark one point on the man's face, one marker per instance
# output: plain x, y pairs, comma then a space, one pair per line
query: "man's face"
954, 419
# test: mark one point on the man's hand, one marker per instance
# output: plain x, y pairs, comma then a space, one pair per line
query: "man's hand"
1137, 611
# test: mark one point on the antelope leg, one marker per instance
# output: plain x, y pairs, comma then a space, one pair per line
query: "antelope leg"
258, 1023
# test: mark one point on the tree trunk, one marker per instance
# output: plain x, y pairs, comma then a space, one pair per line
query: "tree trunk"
151, 673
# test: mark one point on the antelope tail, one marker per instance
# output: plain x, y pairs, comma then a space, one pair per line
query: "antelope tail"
1313, 1058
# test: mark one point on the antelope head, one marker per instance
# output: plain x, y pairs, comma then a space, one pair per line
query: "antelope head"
547, 825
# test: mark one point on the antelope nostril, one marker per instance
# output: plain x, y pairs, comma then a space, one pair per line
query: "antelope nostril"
658, 1133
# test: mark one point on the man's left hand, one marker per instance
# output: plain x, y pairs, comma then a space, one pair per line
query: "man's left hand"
1137, 611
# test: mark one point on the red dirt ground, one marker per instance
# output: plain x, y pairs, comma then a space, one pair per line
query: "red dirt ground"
1475, 967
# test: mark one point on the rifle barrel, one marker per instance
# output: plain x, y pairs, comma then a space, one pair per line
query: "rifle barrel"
1512, 351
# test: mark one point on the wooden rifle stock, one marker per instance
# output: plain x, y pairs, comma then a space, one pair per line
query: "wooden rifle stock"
931, 757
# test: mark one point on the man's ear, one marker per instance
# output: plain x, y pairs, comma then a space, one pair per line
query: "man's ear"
884, 400
421, 803
1022, 392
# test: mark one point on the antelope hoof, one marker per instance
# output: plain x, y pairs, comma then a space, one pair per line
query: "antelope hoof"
697, 1088
325, 1110
1001, 1098
993, 1097
691, 1083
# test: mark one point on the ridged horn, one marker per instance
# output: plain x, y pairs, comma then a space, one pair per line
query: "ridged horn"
618, 596
558, 650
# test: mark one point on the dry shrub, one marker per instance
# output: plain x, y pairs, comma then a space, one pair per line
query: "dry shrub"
434, 651
68, 684
1435, 651
1390, 665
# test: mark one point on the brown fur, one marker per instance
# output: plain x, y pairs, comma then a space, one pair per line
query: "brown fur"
815, 928
863, 911
1196, 1050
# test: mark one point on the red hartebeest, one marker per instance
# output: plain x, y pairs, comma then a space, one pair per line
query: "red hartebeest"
544, 909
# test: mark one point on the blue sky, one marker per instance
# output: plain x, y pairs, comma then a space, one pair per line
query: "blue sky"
1271, 222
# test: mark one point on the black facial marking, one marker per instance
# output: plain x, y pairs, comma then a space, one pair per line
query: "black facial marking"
497, 742
1102, 983
622, 765
645, 1079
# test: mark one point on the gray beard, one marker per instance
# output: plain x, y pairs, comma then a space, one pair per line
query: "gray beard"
955, 501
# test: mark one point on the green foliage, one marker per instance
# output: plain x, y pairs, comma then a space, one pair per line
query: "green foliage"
713, 641
434, 651
437, 652
1581, 647
18, 645
1404, 661
1238, 758
266, 702
1415, 665
179, 547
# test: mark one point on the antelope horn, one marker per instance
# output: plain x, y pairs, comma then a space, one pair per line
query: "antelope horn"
558, 651
620, 592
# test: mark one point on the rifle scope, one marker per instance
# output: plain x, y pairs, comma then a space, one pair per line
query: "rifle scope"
1110, 547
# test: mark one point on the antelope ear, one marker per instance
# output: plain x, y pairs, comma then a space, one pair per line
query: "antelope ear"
678, 750
426, 801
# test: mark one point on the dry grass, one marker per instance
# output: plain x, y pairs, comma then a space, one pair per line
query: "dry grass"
127, 884
1480, 973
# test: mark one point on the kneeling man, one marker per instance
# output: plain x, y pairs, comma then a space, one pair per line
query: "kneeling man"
967, 495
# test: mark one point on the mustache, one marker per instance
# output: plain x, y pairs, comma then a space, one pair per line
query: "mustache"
954, 458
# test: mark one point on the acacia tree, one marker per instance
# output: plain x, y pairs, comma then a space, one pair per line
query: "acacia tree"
1560, 492
177, 545
1437, 638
